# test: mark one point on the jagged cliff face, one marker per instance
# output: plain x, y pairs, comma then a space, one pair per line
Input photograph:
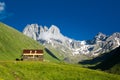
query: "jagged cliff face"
43, 33
52, 37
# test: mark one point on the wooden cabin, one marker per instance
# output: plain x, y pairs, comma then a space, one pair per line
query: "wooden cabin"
32, 55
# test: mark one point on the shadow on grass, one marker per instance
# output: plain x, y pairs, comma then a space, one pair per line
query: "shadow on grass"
107, 60
51, 54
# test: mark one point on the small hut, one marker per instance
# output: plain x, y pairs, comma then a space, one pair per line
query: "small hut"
32, 55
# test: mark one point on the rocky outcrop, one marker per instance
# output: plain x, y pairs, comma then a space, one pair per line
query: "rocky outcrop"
52, 37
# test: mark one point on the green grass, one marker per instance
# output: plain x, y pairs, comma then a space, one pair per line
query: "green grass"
50, 71
12, 43
115, 69
57, 53
111, 62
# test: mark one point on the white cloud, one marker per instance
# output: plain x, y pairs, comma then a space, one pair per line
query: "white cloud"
3, 13
2, 6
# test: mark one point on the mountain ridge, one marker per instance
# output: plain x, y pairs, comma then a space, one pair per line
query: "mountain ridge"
52, 37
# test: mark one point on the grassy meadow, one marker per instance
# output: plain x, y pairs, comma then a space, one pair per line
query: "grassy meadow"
13, 42
28, 70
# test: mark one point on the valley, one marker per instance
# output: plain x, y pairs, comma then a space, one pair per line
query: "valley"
57, 64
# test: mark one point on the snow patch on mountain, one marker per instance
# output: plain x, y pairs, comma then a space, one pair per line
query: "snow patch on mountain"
54, 38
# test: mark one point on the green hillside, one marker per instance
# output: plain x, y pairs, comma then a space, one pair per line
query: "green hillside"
112, 63
12, 43
50, 71
109, 62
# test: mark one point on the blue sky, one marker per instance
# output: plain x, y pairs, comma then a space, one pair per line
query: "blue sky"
77, 19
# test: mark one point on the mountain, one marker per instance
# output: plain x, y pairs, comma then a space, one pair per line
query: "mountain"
110, 62
69, 48
12, 43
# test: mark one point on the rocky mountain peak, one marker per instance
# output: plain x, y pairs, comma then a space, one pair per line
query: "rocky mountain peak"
43, 29
31, 31
39, 32
117, 35
54, 29
100, 36
51, 37
46, 28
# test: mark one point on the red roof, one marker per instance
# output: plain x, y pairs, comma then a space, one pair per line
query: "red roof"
33, 51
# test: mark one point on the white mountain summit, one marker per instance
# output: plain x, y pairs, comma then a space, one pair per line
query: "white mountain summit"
55, 38
43, 33
52, 37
